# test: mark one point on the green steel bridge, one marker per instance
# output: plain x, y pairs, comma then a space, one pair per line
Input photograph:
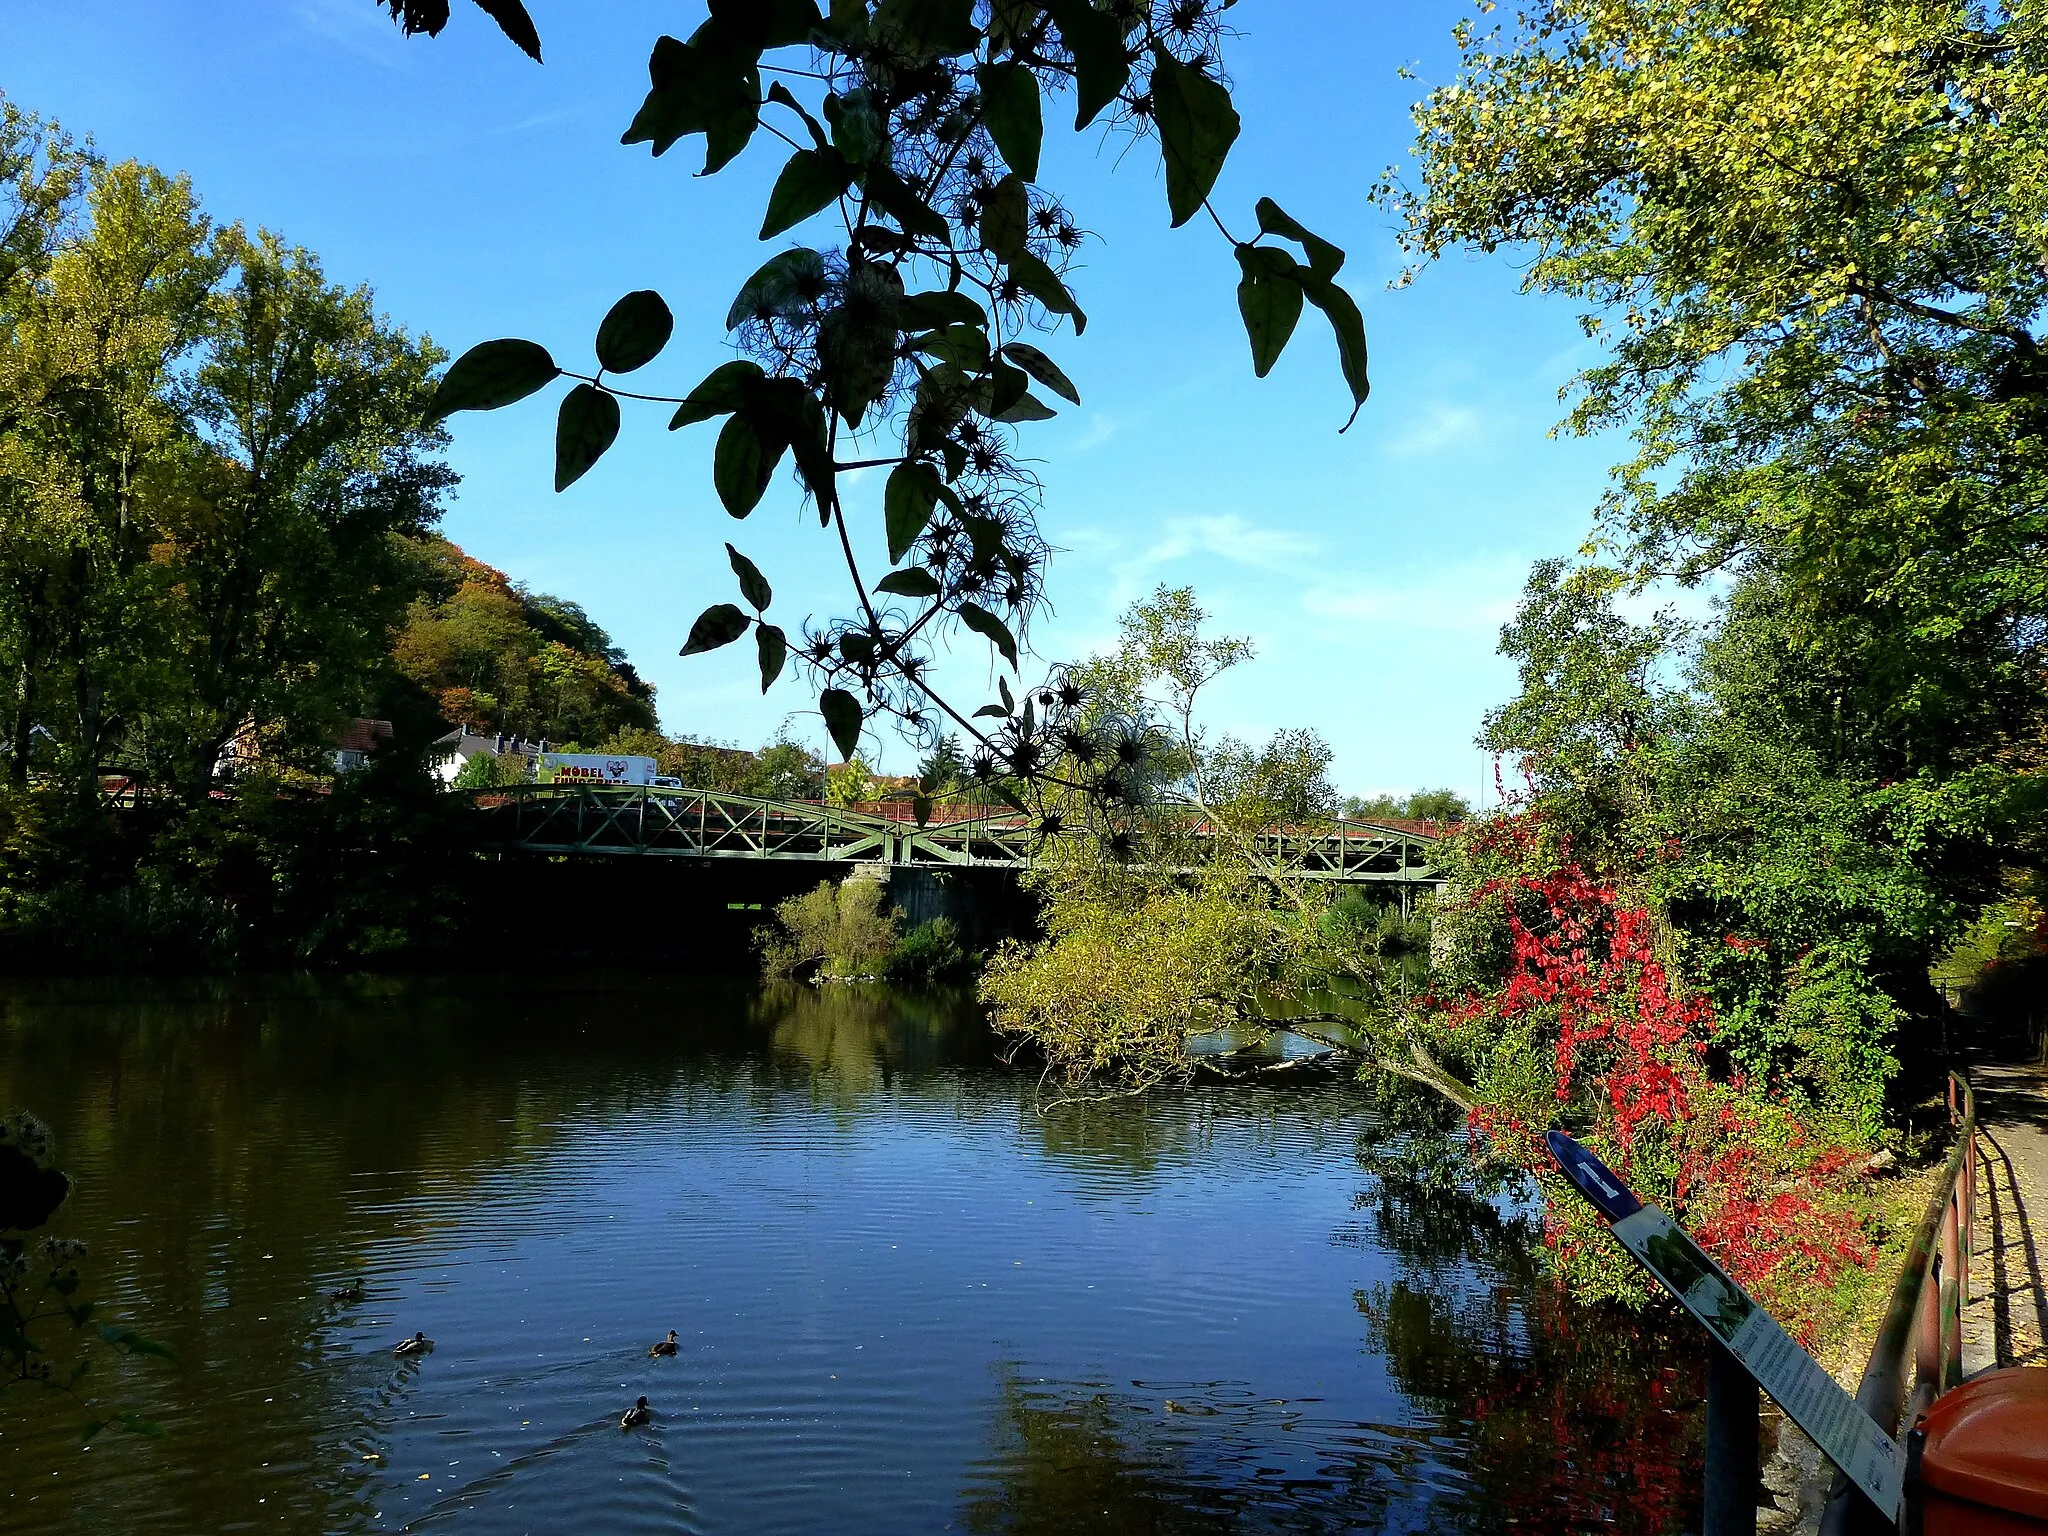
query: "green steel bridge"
711, 824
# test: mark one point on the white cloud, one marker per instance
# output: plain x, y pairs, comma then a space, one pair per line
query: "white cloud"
1437, 427
1229, 537
1101, 429
1473, 598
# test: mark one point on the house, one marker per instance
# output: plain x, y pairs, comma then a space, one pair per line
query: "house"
448, 756
358, 742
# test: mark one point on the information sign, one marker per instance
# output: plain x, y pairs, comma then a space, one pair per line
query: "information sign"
1811, 1398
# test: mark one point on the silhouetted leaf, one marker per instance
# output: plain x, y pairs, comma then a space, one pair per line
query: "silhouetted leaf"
928, 311
812, 180
912, 581
709, 85
907, 505
1006, 216
1044, 285
856, 130
753, 585
982, 622
513, 21
734, 114
992, 711
587, 424
1197, 125
719, 394
1324, 259
964, 346
491, 374
1269, 297
1349, 326
783, 96
720, 624
842, 718
1005, 387
921, 808
742, 465
785, 412
1027, 407
773, 648
1010, 111
769, 23
1102, 66
781, 285
893, 195
1041, 368
634, 331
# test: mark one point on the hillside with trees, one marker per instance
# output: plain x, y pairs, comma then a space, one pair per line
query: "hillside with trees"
477, 649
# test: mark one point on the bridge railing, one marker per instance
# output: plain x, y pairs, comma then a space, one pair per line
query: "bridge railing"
713, 824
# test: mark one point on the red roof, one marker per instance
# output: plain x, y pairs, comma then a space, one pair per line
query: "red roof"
363, 736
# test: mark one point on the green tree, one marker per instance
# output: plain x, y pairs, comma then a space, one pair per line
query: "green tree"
94, 345
304, 457
1807, 236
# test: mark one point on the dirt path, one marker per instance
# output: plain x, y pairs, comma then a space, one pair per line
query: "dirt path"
2006, 1321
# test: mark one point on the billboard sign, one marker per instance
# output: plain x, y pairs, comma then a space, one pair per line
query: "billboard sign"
1811, 1398
593, 768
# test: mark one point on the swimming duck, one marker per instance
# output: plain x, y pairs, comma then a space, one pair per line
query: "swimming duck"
667, 1346
349, 1294
418, 1344
636, 1415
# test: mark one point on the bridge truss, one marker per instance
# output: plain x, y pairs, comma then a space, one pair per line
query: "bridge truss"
712, 824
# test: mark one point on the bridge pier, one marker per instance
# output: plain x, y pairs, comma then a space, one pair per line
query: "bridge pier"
986, 905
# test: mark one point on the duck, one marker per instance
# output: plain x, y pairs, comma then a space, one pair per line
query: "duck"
349, 1294
636, 1415
418, 1344
667, 1346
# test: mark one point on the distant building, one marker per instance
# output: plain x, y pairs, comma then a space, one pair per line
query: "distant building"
359, 741
448, 756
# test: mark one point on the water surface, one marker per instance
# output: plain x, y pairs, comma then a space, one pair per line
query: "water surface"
908, 1300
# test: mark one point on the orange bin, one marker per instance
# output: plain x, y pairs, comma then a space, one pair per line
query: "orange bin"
1984, 1469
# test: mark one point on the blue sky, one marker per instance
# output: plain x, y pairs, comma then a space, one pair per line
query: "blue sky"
481, 195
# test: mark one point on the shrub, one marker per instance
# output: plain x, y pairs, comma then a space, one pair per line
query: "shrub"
838, 932
928, 955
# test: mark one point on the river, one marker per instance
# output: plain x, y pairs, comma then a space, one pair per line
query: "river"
907, 1300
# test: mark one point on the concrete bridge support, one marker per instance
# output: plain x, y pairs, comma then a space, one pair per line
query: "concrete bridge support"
986, 905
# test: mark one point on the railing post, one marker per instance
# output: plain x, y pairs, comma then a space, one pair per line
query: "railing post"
1732, 1404
1950, 1298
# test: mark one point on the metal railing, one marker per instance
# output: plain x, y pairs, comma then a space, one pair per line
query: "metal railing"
712, 824
1924, 1320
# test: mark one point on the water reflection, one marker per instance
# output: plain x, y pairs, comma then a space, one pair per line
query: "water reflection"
1576, 1418
908, 1299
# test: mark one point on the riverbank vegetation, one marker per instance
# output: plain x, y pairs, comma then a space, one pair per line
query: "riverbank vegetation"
1700, 934
845, 931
